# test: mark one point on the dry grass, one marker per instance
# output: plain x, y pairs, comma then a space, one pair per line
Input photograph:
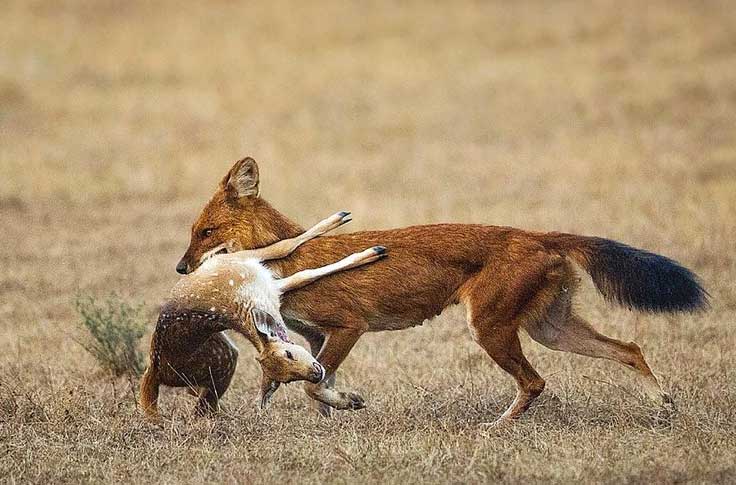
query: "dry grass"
117, 118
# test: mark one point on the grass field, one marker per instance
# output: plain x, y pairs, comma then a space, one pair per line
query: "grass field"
118, 118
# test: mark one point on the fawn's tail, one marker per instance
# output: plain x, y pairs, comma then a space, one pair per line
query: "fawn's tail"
149, 392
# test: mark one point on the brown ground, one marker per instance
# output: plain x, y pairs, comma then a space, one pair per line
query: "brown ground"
611, 118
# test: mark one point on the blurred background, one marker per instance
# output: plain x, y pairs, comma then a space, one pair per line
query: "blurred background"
609, 118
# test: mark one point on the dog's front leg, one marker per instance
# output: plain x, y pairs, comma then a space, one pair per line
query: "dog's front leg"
338, 344
316, 341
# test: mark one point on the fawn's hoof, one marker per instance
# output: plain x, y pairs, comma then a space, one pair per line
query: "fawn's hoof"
667, 402
345, 217
355, 401
324, 410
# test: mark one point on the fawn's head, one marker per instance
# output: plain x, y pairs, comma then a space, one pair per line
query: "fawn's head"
234, 219
281, 360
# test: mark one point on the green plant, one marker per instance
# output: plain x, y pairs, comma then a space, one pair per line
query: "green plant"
115, 328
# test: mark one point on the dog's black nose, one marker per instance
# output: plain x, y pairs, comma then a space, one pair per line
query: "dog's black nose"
181, 268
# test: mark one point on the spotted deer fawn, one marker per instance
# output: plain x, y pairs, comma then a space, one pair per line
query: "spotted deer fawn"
235, 292
508, 279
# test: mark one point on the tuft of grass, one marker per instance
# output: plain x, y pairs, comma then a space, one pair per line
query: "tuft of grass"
115, 329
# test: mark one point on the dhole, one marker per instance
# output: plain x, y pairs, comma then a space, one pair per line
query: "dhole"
234, 291
507, 279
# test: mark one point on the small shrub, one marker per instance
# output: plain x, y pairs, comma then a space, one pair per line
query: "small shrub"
115, 328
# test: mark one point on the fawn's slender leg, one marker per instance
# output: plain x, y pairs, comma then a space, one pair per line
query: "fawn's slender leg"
210, 372
285, 247
302, 278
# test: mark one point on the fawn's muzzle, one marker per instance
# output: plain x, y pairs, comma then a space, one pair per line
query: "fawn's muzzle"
318, 374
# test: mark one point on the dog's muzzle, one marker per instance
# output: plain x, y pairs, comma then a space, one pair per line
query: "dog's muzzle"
182, 267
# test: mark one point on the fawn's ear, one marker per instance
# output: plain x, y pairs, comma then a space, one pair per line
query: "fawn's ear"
267, 326
242, 180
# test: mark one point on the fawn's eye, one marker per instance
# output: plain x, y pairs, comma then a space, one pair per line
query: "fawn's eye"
289, 355
207, 232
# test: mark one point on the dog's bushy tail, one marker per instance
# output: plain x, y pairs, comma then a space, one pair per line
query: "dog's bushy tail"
632, 277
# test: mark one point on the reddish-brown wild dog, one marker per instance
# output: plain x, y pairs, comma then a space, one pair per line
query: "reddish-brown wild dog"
507, 279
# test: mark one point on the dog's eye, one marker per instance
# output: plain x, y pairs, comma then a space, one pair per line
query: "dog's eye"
289, 355
207, 232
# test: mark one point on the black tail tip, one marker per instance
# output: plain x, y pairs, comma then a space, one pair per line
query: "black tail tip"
343, 213
698, 301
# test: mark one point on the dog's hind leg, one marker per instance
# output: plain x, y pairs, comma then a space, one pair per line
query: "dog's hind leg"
502, 344
568, 332
498, 302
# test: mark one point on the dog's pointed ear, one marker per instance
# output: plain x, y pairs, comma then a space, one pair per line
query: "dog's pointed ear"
267, 327
242, 180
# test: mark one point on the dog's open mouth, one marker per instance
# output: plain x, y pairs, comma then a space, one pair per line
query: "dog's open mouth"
221, 251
